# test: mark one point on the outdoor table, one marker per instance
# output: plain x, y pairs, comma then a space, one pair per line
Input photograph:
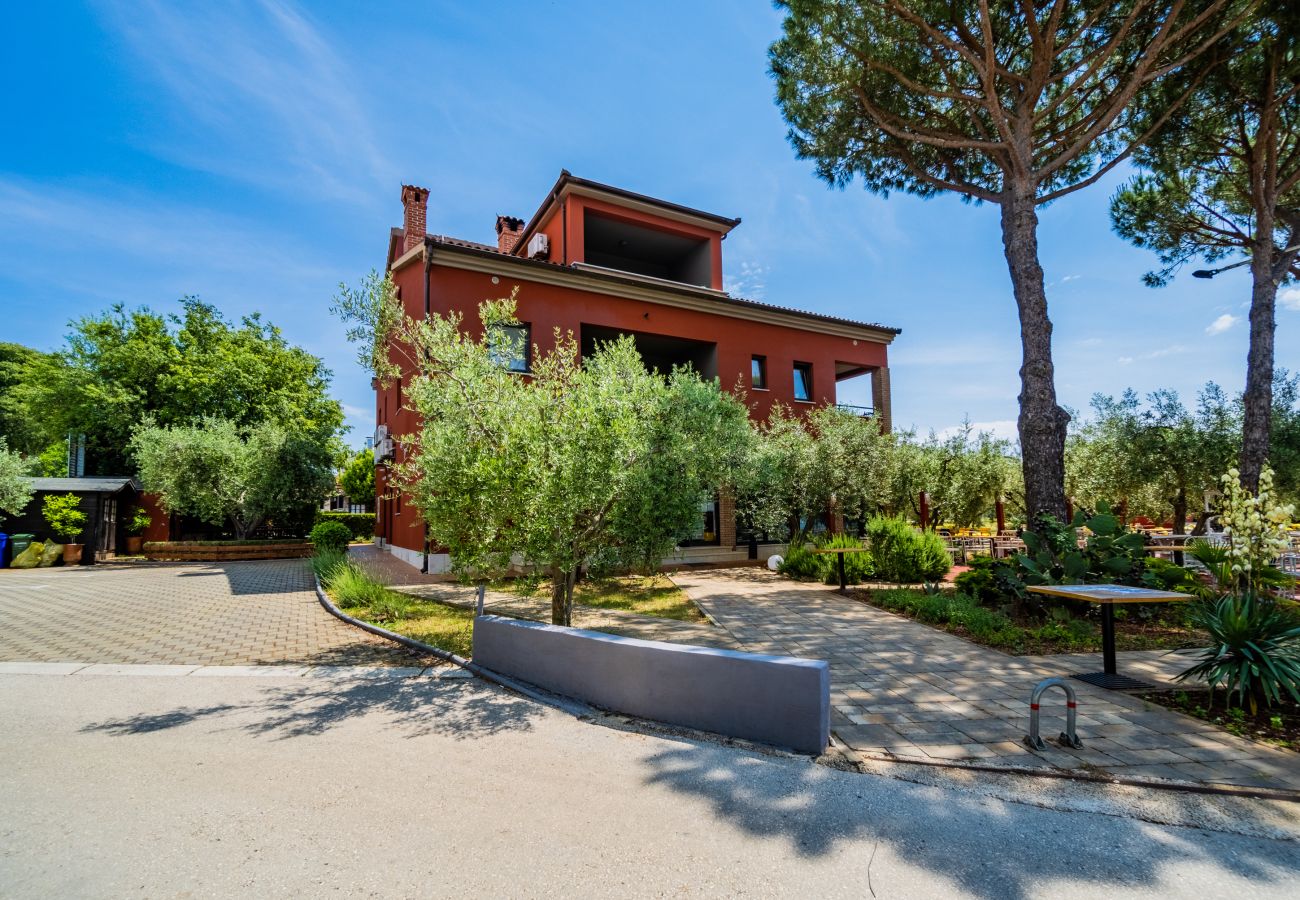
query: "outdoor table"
839, 552
1107, 595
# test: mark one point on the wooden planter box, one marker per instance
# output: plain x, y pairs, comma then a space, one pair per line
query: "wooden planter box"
219, 551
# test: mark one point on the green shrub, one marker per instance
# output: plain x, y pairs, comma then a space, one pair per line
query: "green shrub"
980, 581
64, 516
331, 536
1253, 650
950, 608
351, 587
1165, 575
801, 563
857, 566
140, 520
325, 562
362, 525
904, 554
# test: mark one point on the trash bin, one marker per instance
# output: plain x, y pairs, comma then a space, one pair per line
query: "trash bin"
4, 550
19, 543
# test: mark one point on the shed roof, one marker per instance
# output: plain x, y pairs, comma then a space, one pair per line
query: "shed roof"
108, 484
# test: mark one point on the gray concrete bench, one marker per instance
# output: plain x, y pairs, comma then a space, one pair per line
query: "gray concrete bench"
777, 700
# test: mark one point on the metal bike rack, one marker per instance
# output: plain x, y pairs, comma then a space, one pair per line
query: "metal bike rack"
1068, 737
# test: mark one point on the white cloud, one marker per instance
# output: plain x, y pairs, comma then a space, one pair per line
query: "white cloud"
748, 281
1070, 278
263, 96
1289, 298
1222, 324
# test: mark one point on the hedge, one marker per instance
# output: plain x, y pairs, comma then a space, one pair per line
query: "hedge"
362, 525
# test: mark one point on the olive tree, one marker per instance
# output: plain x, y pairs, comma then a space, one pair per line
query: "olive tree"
219, 472
801, 467
577, 459
15, 485
963, 474
1011, 102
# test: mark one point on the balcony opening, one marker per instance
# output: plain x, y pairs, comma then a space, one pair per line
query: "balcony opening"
628, 247
853, 388
660, 353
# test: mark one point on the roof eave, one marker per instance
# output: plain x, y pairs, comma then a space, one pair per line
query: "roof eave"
883, 334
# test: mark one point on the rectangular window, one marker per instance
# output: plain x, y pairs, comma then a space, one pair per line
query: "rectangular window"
758, 373
509, 345
803, 383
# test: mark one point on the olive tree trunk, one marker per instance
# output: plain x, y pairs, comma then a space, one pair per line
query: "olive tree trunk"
1042, 422
562, 583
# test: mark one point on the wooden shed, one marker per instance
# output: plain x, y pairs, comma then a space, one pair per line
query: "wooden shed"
106, 501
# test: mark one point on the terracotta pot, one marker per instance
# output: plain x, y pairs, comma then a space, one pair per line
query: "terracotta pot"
71, 554
135, 544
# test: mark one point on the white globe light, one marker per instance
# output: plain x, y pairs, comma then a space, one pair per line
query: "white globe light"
774, 562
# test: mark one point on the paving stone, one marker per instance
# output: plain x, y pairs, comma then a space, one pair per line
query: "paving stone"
929, 684
187, 614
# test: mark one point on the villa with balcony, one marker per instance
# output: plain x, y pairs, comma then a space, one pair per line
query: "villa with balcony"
599, 261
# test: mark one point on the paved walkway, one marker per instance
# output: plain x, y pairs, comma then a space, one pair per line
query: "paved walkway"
910, 691
197, 614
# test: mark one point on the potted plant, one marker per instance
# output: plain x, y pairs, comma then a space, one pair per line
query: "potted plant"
140, 520
64, 516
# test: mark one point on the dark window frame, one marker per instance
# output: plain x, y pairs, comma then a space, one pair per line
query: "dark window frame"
760, 363
527, 360
805, 369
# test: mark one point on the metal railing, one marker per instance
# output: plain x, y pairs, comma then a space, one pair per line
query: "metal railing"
864, 411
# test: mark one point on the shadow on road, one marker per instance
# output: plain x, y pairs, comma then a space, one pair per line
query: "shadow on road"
987, 848
310, 706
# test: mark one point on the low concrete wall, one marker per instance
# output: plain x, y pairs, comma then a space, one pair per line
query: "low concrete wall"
777, 700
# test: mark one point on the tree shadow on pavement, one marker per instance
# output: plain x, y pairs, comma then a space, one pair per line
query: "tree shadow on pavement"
410, 706
988, 848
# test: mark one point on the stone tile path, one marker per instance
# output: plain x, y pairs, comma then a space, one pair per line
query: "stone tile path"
407, 579
903, 689
239, 613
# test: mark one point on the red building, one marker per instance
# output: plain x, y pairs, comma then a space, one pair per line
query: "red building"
600, 261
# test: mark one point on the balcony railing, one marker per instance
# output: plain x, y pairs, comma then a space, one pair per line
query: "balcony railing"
864, 411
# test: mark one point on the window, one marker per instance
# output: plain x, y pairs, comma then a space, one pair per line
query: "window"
509, 345
758, 373
803, 383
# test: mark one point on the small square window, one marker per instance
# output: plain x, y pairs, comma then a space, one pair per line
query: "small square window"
803, 382
758, 372
509, 345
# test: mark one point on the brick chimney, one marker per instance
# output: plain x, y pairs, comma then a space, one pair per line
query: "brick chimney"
415, 203
508, 230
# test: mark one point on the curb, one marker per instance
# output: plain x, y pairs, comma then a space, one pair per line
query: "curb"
583, 711
572, 707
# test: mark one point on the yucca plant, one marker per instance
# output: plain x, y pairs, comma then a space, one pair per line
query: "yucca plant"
1254, 649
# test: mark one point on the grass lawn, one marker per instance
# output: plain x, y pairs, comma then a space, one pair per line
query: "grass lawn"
653, 595
446, 627
960, 615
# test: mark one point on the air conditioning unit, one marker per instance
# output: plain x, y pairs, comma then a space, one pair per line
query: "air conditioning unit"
539, 247
381, 432
385, 449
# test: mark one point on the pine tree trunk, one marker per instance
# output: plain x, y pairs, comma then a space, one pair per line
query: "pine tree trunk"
1258, 399
1042, 422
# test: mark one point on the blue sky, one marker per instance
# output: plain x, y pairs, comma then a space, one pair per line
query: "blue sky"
252, 153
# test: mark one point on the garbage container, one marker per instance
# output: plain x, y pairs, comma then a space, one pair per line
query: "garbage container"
19, 543
4, 550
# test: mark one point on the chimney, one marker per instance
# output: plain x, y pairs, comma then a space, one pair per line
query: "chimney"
415, 202
508, 230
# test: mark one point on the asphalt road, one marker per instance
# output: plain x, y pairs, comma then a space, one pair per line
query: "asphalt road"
269, 786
